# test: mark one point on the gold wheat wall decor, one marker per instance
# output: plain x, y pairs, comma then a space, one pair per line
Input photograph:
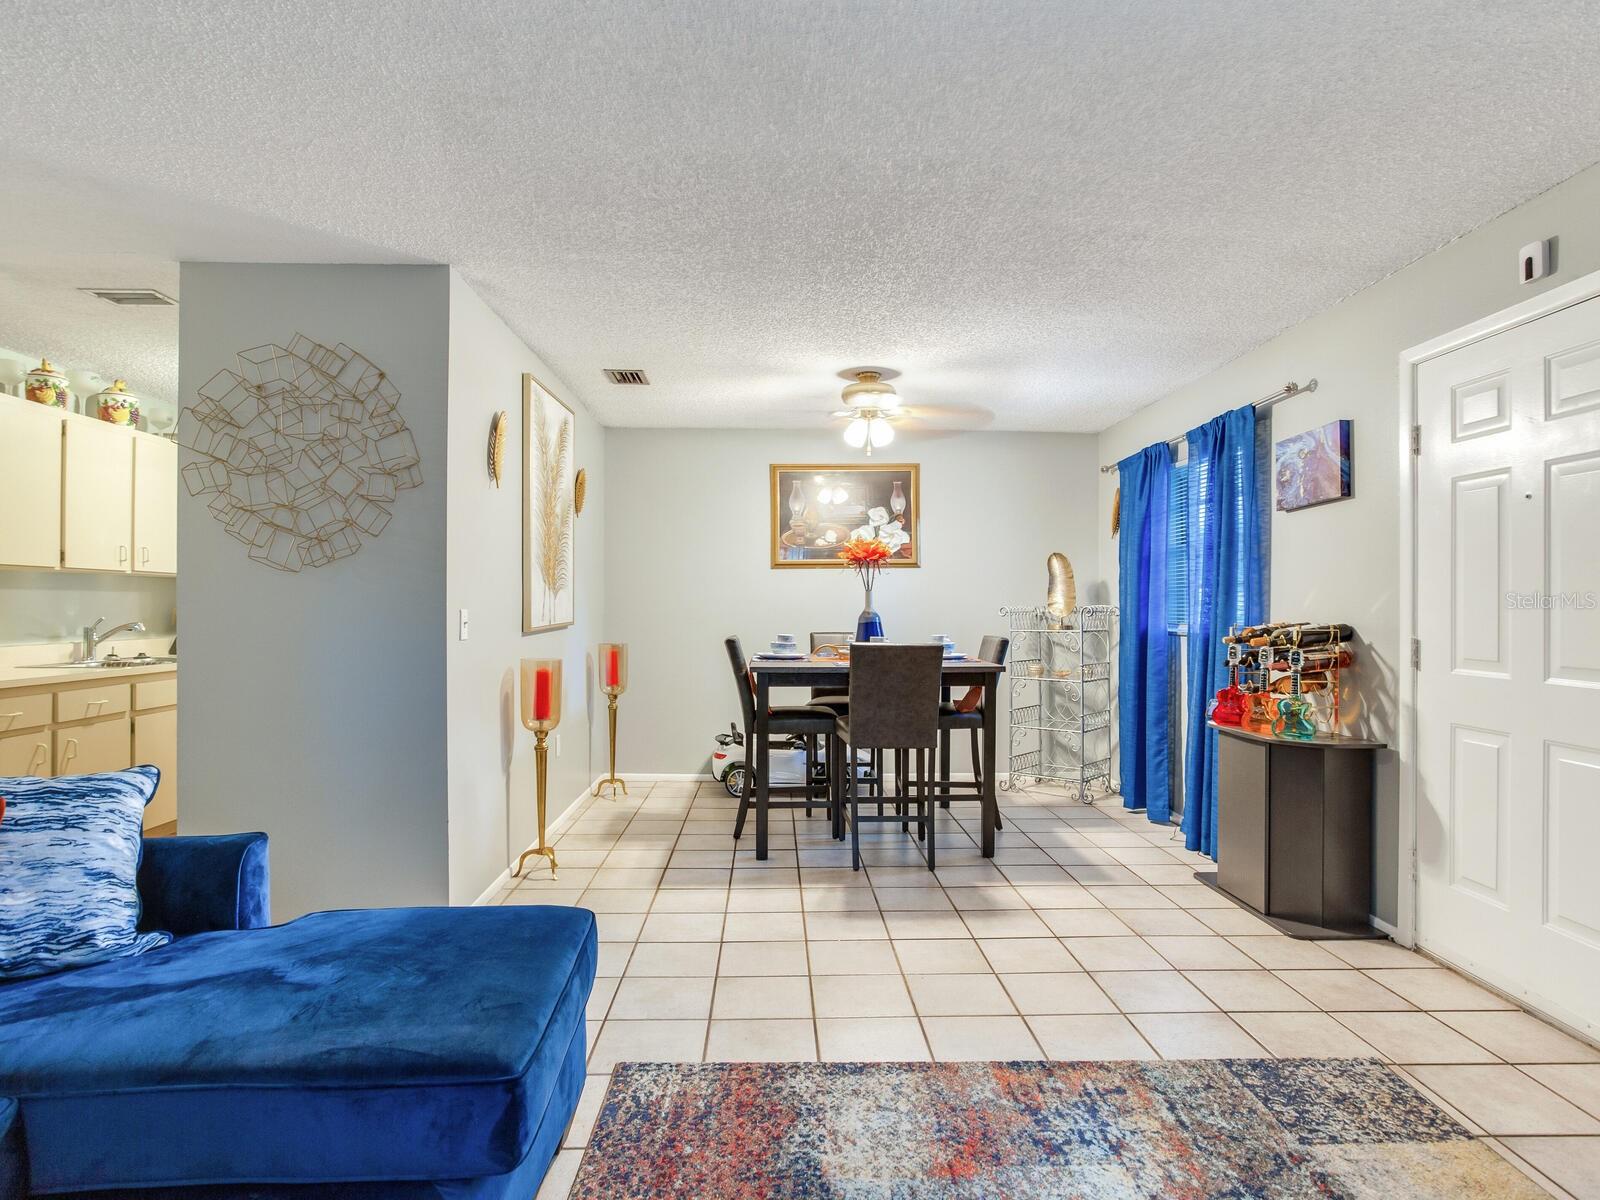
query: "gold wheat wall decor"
547, 492
497, 446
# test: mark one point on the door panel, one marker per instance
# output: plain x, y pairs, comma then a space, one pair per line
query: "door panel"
1479, 813
1573, 571
1480, 542
1572, 821
1508, 566
1572, 381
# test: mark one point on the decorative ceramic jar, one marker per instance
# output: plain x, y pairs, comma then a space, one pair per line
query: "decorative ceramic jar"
46, 385
117, 405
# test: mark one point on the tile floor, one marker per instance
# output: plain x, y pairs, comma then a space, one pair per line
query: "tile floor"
1085, 937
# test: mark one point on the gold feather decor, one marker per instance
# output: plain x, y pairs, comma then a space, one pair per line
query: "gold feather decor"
1116, 512
580, 489
554, 508
497, 446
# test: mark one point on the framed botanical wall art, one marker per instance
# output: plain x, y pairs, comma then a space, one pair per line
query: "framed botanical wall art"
816, 508
549, 574
1313, 467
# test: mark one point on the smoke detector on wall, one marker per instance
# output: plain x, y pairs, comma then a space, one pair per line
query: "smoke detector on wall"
135, 297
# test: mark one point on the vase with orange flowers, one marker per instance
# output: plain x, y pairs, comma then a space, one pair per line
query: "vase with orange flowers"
866, 556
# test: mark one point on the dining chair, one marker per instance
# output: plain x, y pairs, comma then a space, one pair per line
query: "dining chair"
967, 713
894, 705
839, 702
811, 723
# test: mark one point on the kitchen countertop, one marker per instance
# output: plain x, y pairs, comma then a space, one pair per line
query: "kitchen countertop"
20, 677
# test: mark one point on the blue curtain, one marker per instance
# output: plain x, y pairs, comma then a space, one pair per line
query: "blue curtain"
1144, 695
1227, 586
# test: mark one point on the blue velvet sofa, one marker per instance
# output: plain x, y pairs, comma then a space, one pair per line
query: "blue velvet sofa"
390, 1053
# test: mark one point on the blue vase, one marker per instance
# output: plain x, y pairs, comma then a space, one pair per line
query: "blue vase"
868, 625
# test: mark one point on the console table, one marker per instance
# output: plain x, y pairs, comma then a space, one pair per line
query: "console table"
1294, 830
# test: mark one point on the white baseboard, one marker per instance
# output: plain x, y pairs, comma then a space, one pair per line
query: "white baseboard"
648, 777
502, 880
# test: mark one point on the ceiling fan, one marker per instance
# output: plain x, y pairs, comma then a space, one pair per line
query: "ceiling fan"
871, 404
873, 411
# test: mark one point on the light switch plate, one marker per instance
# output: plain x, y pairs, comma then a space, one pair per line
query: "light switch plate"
465, 625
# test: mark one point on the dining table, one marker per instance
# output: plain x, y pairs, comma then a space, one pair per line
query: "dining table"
833, 674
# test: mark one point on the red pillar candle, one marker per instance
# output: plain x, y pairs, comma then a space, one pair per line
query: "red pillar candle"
541, 694
613, 667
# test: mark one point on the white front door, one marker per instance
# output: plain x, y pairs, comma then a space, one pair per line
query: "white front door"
1508, 695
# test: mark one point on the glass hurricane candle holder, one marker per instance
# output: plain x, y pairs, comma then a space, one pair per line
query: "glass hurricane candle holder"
613, 671
541, 712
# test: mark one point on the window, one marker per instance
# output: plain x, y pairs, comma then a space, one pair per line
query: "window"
1178, 550
1179, 531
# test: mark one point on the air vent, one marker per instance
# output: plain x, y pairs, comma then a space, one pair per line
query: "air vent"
133, 296
634, 377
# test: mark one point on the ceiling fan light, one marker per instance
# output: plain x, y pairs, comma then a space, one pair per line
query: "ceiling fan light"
855, 433
880, 432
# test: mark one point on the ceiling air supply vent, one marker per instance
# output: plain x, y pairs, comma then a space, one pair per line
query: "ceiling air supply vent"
622, 376
133, 296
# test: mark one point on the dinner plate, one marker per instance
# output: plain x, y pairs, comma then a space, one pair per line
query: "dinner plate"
785, 657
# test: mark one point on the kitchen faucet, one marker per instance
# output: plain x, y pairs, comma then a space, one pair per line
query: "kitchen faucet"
92, 637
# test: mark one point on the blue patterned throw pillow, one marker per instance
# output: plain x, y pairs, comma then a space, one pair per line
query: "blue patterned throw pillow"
69, 865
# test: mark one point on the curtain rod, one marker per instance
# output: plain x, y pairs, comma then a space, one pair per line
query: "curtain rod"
1283, 393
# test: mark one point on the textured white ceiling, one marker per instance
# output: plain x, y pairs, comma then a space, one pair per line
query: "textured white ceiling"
1044, 214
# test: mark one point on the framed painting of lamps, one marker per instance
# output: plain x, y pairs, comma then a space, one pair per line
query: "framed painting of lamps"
816, 508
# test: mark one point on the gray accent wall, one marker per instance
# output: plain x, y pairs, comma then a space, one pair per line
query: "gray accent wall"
313, 705
1341, 561
687, 560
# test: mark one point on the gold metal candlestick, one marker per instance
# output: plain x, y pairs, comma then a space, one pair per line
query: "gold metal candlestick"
541, 712
613, 671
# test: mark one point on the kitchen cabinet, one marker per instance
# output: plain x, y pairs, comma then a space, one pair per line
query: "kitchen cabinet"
30, 484
155, 741
25, 754
79, 727
85, 495
96, 496
155, 505
94, 746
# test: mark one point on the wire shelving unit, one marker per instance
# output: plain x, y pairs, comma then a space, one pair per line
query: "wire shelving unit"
1062, 698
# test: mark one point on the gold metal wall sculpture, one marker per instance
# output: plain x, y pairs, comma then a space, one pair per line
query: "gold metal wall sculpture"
580, 489
304, 449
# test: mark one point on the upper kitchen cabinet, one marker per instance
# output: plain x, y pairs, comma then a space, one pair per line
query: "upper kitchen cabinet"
155, 505
30, 484
96, 496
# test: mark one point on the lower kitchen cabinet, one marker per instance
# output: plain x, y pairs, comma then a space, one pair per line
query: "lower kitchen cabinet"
98, 725
26, 753
155, 741
93, 747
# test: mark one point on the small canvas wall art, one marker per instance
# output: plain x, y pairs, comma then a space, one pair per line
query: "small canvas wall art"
549, 573
816, 509
1313, 467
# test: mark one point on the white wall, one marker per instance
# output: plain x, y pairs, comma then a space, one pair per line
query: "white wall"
312, 705
687, 561
491, 796
1340, 561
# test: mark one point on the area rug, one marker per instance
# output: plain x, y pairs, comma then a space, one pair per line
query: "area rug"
1242, 1129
